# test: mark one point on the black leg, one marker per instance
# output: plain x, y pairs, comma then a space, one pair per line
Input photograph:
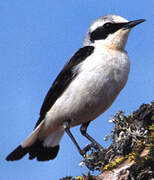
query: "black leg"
67, 130
83, 130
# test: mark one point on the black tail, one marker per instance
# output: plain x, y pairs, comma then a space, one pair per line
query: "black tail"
17, 154
37, 150
42, 153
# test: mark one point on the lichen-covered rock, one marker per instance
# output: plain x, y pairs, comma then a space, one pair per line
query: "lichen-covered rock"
131, 153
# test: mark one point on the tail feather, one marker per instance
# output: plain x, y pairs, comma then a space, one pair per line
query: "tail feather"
42, 153
42, 150
37, 150
17, 154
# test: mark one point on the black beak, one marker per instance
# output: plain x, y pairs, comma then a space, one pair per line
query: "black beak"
131, 24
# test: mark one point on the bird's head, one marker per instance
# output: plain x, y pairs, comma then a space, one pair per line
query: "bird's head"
110, 31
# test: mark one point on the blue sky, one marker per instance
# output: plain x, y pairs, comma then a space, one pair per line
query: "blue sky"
36, 39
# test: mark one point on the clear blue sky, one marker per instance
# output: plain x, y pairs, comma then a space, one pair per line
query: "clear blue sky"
36, 39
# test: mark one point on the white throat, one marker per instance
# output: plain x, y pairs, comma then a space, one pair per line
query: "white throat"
116, 41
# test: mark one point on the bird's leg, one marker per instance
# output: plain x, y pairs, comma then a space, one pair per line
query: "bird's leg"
67, 130
83, 130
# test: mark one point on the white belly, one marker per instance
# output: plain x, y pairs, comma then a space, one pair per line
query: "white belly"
91, 92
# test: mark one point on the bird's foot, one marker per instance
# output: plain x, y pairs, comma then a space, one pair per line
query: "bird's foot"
90, 147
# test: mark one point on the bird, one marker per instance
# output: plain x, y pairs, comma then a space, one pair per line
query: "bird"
85, 88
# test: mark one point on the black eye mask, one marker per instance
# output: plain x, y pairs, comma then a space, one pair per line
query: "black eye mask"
103, 31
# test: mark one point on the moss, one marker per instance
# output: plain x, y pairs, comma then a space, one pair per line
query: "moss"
79, 178
134, 156
114, 164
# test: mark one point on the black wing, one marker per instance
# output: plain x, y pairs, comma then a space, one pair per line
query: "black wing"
63, 80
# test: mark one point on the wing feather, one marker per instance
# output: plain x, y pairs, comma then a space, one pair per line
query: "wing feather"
63, 80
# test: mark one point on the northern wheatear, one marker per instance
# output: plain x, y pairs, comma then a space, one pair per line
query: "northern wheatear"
85, 88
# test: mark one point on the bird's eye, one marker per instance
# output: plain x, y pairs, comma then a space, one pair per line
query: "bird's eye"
107, 25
